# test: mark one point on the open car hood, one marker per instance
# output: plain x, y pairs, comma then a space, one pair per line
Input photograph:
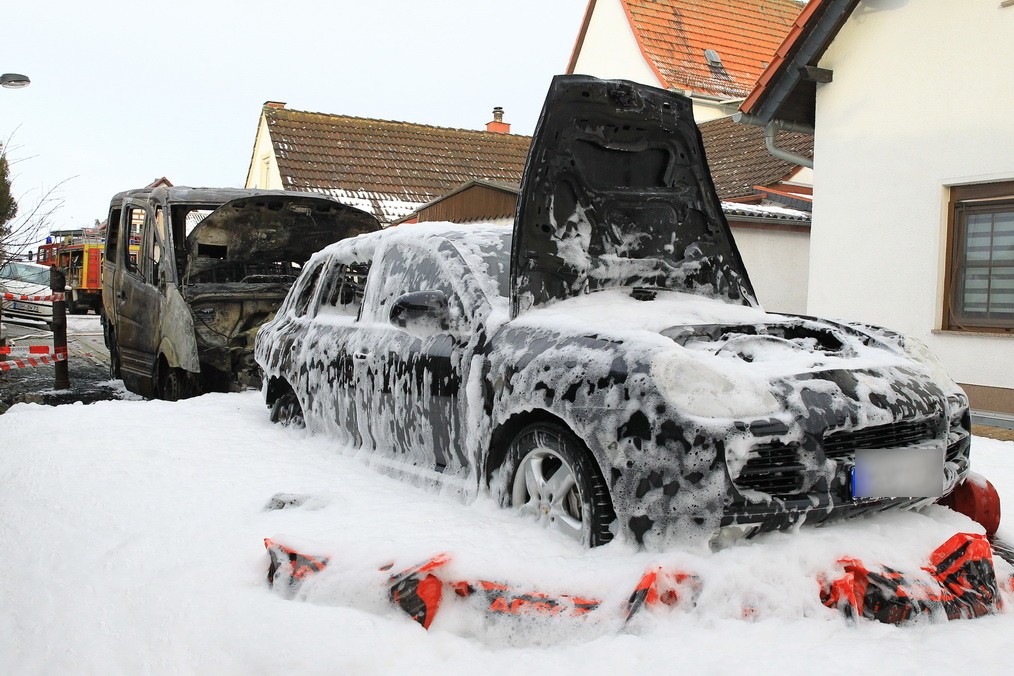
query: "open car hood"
272, 227
617, 193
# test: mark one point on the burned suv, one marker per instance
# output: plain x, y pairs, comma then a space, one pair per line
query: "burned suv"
603, 366
191, 273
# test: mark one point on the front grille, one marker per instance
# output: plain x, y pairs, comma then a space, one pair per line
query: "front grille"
773, 469
895, 435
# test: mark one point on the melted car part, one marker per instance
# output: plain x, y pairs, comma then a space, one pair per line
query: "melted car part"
418, 591
225, 322
809, 335
617, 192
266, 229
288, 568
963, 585
241, 260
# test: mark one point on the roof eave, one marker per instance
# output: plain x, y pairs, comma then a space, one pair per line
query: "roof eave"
783, 90
579, 42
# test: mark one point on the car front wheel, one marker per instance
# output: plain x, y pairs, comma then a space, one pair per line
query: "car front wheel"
175, 384
555, 480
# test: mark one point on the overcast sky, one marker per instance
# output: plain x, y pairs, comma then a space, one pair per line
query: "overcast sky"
125, 92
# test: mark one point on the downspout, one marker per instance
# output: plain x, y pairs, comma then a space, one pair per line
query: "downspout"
771, 129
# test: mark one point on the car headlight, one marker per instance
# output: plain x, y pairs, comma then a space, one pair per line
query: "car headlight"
704, 386
920, 353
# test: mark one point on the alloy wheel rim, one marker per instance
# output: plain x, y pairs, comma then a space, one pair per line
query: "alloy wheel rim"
545, 487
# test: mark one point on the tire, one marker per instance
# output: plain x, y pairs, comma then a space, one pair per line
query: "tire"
554, 478
175, 384
287, 412
114, 359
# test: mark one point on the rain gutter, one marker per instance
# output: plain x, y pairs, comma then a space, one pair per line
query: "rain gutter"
771, 129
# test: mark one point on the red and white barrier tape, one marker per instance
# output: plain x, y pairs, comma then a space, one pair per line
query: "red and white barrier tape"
31, 349
53, 297
32, 361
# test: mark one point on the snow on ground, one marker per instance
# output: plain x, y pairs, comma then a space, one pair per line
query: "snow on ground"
131, 541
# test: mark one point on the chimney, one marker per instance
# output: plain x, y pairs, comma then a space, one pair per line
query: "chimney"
498, 126
274, 104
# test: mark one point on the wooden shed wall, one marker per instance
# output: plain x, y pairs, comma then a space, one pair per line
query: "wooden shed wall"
476, 203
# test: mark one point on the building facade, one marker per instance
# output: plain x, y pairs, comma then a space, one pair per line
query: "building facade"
913, 214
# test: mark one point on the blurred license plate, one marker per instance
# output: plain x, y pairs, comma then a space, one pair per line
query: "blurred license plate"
914, 472
27, 307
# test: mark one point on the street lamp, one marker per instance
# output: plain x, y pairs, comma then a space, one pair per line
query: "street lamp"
14, 81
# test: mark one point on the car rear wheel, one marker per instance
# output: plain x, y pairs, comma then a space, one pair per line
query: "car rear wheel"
286, 410
555, 480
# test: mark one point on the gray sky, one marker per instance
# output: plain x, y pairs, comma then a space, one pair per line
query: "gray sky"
125, 92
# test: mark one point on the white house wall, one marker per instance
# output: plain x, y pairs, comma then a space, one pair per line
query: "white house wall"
610, 49
922, 98
263, 170
777, 262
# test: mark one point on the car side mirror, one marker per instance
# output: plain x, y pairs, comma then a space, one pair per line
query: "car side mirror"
422, 312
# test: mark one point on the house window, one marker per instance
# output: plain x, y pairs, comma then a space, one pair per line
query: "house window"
980, 285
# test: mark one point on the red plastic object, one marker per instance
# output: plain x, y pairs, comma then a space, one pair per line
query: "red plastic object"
291, 566
502, 599
668, 587
964, 585
977, 499
418, 591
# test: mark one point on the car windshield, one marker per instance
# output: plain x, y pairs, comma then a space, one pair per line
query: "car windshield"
26, 273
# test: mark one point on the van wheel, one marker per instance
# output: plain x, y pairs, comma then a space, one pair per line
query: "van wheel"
555, 480
114, 358
175, 384
286, 411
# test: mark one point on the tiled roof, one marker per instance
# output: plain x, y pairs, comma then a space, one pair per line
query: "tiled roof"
389, 168
674, 34
739, 160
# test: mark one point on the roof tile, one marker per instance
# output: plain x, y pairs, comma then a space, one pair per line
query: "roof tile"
390, 166
673, 34
739, 159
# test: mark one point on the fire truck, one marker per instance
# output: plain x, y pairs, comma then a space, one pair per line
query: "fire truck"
79, 256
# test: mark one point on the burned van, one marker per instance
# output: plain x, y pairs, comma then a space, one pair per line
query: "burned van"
190, 274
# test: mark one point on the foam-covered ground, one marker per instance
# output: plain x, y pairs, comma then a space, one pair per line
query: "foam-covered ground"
131, 541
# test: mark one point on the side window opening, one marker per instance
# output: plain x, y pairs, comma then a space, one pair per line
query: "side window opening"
306, 291
113, 234
135, 219
405, 270
153, 238
344, 288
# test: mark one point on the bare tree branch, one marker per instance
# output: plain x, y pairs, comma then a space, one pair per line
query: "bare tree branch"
35, 217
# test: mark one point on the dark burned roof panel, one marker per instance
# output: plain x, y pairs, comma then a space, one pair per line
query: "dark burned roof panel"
739, 160
389, 167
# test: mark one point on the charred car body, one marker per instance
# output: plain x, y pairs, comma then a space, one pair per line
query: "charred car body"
191, 273
604, 365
